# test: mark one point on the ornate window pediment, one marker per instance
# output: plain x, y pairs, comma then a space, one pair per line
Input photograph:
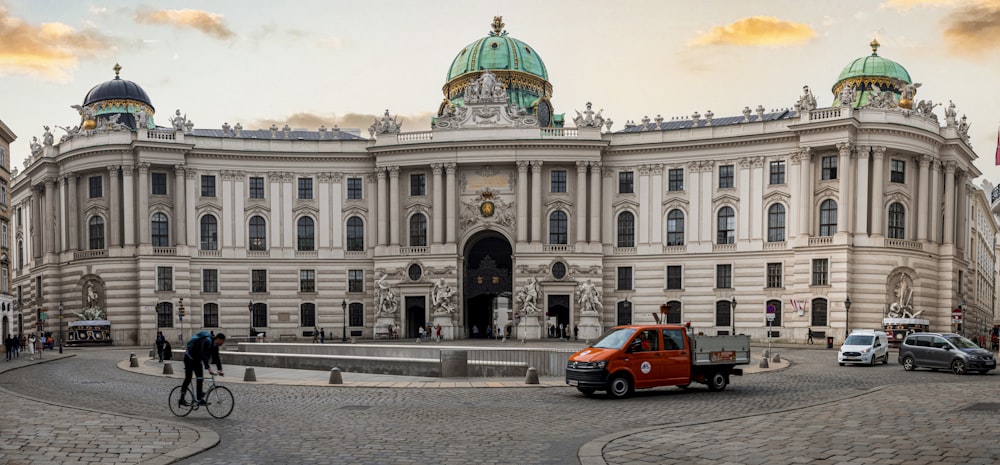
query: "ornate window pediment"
625, 204
251, 210
160, 203
726, 198
96, 210
305, 209
828, 190
211, 203
558, 204
355, 210
777, 196
418, 207
672, 204
897, 194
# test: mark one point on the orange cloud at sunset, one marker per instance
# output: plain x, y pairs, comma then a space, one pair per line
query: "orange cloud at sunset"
756, 31
209, 23
904, 5
49, 50
972, 30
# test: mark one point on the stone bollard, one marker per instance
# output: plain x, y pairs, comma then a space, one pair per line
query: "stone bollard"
167, 368
133, 361
766, 353
249, 375
763, 363
531, 377
335, 376
776, 358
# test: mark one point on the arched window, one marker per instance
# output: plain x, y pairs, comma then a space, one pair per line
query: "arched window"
418, 230
777, 313
209, 233
96, 232
675, 227
776, 223
164, 315
307, 315
624, 311
210, 315
723, 313
828, 218
306, 234
355, 234
674, 312
258, 315
819, 314
258, 233
626, 229
160, 230
727, 226
5, 244
897, 221
558, 228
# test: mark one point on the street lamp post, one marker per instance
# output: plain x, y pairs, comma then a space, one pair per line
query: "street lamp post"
180, 315
343, 334
847, 316
250, 309
732, 308
60, 327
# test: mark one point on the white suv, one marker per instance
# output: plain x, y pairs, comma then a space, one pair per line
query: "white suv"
865, 346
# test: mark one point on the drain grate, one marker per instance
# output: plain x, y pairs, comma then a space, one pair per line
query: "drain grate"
356, 407
983, 407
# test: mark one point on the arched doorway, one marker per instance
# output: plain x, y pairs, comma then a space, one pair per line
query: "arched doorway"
487, 277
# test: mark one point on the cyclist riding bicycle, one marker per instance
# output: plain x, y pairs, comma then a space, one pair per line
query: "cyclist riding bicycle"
201, 349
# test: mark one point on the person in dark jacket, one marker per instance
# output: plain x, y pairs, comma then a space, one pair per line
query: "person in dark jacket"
160, 340
201, 349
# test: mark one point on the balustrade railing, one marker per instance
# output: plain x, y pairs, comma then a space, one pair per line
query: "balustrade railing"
904, 244
84, 254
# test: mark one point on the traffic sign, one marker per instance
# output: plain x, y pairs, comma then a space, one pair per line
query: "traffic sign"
770, 317
771, 310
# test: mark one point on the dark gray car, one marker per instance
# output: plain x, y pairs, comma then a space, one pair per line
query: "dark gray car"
946, 351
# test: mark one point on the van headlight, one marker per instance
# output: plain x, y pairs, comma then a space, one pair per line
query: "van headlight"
601, 364
865, 350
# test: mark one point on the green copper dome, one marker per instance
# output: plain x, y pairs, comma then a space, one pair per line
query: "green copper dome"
498, 52
872, 70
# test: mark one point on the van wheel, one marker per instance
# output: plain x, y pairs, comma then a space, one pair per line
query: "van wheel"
874, 359
885, 361
620, 387
958, 367
586, 391
717, 381
908, 363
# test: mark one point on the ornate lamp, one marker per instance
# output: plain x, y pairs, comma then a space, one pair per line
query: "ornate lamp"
343, 334
732, 307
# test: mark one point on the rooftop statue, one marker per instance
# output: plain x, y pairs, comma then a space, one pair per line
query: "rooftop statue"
388, 125
178, 121
588, 119
36, 148
47, 138
847, 96
807, 101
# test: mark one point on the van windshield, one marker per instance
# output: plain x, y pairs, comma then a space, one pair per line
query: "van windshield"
859, 340
961, 342
614, 339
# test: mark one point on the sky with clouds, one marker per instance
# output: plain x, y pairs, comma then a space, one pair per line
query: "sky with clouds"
307, 63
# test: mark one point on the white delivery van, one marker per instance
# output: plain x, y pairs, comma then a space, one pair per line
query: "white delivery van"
864, 346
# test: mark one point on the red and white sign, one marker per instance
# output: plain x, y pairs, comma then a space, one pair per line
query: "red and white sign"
956, 315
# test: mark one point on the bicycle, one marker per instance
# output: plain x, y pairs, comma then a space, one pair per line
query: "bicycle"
219, 400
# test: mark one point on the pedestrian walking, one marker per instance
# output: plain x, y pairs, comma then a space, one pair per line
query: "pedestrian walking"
8, 348
437, 329
315, 335
322, 336
809, 336
16, 341
39, 346
422, 334
160, 341
31, 346
475, 331
576, 332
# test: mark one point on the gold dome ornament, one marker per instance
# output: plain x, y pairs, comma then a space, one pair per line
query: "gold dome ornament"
88, 125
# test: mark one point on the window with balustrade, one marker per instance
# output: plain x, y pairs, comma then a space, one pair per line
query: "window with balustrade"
897, 221
828, 218
626, 229
776, 223
95, 229
305, 234
355, 234
726, 226
160, 230
418, 230
209, 229
257, 233
675, 227
558, 228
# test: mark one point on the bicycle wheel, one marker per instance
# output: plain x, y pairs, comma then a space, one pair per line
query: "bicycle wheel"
220, 401
174, 399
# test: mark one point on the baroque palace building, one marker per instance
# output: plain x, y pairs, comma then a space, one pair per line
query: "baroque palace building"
11, 320
501, 213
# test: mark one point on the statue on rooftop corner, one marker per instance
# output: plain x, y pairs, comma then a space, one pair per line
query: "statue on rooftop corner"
807, 101
36, 148
847, 96
178, 121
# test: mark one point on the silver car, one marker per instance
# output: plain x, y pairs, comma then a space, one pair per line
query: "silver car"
946, 351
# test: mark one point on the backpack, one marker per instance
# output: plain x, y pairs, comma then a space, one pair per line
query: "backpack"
202, 335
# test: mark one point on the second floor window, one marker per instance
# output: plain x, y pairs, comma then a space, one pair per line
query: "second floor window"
828, 218
209, 233
418, 184
258, 233
160, 230
306, 234
256, 187
626, 182
726, 180
258, 280
675, 179
96, 187
829, 168
675, 228
776, 223
558, 178
674, 275
307, 280
207, 185
164, 278
777, 172
210, 281
897, 171
305, 188
897, 221
159, 183
624, 282
626, 229
821, 272
774, 275
354, 189
355, 281
355, 234
727, 226
723, 276
418, 230
558, 228
96, 227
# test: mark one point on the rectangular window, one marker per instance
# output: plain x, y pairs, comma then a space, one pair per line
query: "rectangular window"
164, 278
5, 281
38, 286
726, 177
778, 172
821, 272
210, 281
307, 315
774, 275
256, 187
674, 277
159, 183
207, 185
626, 182
624, 278
210, 315
357, 311
829, 168
355, 281
354, 191
723, 276
305, 188
558, 180
418, 184
258, 280
897, 171
675, 179
307, 280
96, 187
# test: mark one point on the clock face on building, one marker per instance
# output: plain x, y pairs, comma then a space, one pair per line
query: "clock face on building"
414, 272
544, 114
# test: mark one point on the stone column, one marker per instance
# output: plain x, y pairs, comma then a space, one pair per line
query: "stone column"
128, 205
383, 208
289, 192
693, 188
36, 221
580, 233
143, 212
744, 209
707, 227
963, 190
949, 202
394, 219
437, 205
878, 189
805, 193
536, 202
642, 188
450, 204
374, 204
655, 220
607, 192
935, 211
48, 222
180, 223
757, 182
844, 178
923, 190
595, 202
522, 201
114, 209
191, 186
72, 215
325, 197
861, 209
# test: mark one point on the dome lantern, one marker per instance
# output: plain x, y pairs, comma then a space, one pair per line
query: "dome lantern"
872, 71
119, 97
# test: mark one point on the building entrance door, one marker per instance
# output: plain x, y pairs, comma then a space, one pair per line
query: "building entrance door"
486, 280
558, 314
416, 315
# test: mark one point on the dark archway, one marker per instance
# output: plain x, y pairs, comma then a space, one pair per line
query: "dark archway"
488, 265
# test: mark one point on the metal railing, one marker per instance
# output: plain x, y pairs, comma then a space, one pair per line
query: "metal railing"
514, 362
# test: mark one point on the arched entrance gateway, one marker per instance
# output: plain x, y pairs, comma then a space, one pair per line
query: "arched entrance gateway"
487, 282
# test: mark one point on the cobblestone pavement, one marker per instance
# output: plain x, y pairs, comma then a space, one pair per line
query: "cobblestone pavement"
803, 414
